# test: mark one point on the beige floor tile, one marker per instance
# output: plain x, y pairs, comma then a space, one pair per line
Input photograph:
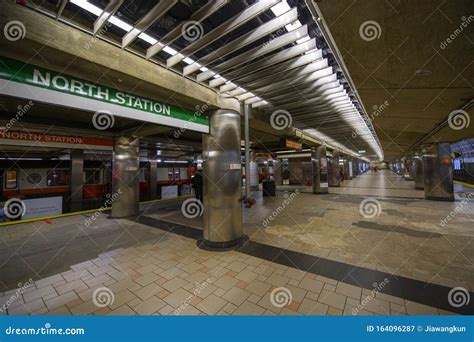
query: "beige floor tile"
149, 306
311, 285
257, 287
211, 304
226, 282
349, 290
123, 310
68, 287
146, 279
174, 284
236, 296
413, 308
378, 306
44, 291
248, 308
148, 291
48, 281
61, 300
332, 299
294, 273
61, 311
311, 307
247, 276
121, 298
178, 297
277, 280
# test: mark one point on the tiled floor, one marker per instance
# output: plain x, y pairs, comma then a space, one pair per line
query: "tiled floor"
173, 277
406, 237
124, 267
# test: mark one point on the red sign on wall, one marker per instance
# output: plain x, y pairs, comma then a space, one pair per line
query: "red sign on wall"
51, 138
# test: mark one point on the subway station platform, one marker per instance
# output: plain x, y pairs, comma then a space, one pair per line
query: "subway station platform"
320, 248
236, 157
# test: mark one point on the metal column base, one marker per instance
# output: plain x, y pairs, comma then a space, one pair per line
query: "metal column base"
222, 246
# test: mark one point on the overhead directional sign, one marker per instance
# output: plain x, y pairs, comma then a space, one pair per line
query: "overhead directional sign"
24, 80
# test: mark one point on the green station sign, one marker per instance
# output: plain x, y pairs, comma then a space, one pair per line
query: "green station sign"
31, 75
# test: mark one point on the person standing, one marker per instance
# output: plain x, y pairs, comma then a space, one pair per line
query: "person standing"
197, 185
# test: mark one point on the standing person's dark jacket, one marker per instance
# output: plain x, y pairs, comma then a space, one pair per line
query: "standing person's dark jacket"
197, 185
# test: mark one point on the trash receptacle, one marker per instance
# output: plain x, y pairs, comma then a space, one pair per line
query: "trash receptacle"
269, 188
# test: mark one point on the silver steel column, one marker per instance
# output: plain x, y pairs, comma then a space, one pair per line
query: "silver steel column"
355, 167
246, 109
418, 172
438, 173
77, 173
125, 177
334, 171
222, 180
153, 173
320, 170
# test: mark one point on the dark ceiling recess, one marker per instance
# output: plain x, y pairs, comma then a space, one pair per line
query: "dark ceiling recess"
182, 10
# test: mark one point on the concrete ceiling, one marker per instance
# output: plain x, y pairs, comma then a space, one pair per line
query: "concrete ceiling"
408, 80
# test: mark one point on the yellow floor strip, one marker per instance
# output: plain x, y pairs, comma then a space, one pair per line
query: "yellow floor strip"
85, 212
465, 184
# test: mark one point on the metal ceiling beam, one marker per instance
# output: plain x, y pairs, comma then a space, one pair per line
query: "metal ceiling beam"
317, 101
223, 29
149, 19
341, 108
294, 98
244, 40
200, 15
256, 52
108, 11
290, 75
62, 5
291, 82
299, 91
272, 70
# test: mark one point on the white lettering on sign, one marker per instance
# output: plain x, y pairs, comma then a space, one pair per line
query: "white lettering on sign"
235, 166
78, 87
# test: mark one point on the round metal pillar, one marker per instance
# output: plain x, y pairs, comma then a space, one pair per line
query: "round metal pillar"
222, 176
438, 173
320, 169
418, 172
125, 177
334, 171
